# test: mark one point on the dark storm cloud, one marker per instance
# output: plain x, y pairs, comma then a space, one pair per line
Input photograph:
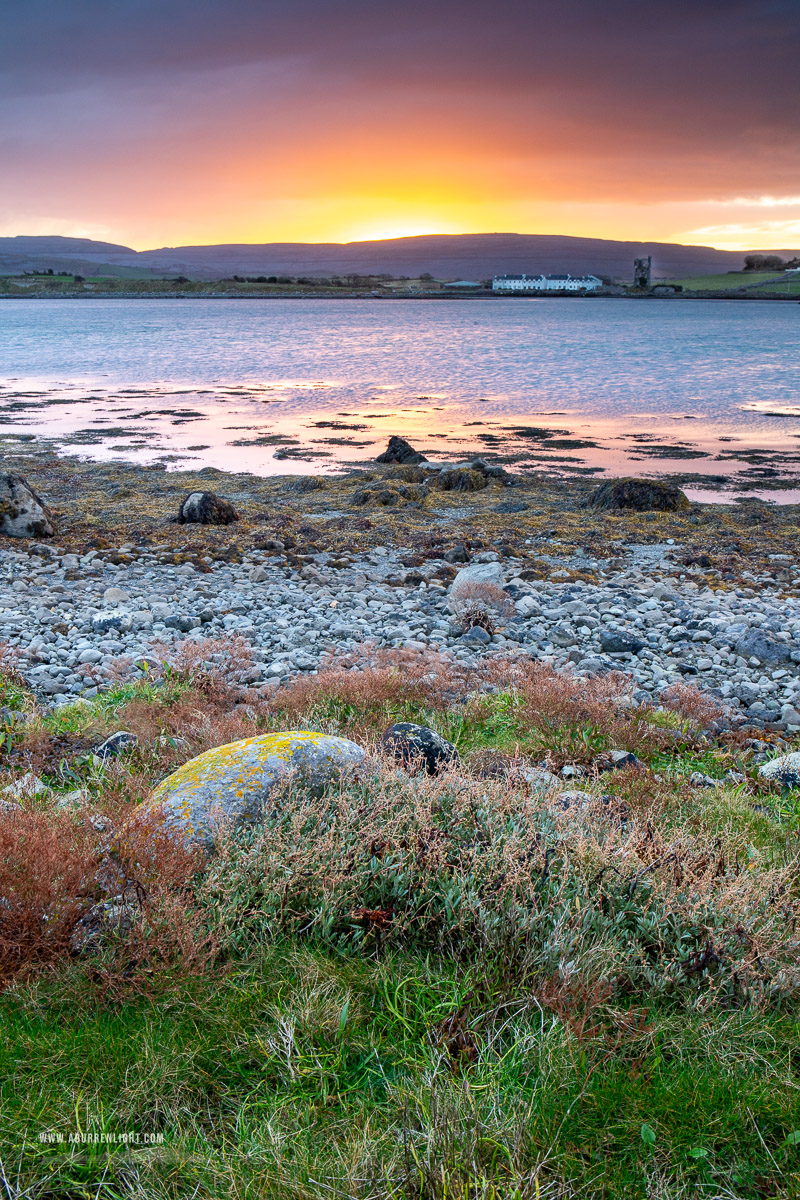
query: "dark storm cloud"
641, 100
707, 64
741, 44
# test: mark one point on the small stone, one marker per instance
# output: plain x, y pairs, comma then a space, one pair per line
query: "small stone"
418, 746
113, 596
116, 915
491, 573
699, 779
181, 622
258, 575
117, 743
28, 785
476, 636
113, 618
755, 644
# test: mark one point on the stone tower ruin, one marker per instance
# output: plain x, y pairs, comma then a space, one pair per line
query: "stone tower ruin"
641, 272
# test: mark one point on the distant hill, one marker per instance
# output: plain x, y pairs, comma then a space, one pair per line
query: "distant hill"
445, 256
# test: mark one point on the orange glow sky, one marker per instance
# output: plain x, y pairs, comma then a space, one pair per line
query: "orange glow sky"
178, 123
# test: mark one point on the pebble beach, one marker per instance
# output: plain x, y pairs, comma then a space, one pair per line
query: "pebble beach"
711, 596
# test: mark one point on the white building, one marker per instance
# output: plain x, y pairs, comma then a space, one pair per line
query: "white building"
546, 283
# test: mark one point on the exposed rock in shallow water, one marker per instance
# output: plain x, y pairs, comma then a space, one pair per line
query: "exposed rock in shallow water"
638, 494
400, 451
22, 512
207, 508
227, 787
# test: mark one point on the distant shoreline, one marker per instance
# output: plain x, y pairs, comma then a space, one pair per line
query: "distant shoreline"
437, 296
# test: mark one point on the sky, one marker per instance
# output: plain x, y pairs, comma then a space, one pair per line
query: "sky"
183, 122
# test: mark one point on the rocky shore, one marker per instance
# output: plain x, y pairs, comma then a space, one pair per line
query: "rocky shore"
646, 598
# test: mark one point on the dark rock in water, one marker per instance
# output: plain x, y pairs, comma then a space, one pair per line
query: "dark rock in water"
417, 746
400, 451
755, 643
638, 494
206, 508
118, 743
512, 506
22, 512
616, 641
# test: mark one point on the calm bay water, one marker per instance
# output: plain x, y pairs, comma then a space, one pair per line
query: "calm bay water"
232, 383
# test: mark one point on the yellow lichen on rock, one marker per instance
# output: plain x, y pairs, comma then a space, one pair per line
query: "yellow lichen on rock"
229, 784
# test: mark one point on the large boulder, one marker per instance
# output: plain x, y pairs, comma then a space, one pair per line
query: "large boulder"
22, 512
617, 641
206, 508
227, 786
400, 451
754, 643
418, 747
786, 769
638, 494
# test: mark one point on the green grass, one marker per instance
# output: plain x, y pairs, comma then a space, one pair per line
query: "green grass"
726, 282
300, 1073
531, 1022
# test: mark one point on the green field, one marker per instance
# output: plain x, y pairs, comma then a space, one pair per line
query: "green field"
737, 280
136, 281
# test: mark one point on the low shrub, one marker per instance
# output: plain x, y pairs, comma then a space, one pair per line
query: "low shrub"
518, 883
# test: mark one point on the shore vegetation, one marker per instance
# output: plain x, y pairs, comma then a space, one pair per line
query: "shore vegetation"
464, 985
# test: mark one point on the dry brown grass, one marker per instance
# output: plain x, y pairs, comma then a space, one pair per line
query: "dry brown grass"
47, 865
364, 692
56, 865
481, 605
694, 706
